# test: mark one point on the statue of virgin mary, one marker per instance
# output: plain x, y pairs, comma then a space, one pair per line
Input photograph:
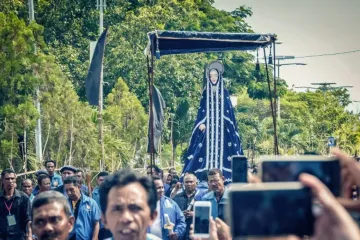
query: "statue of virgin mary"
214, 138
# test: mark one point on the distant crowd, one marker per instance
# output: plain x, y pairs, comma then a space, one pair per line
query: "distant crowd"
129, 205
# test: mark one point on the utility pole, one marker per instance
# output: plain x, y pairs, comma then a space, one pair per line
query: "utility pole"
101, 5
37, 102
278, 65
325, 86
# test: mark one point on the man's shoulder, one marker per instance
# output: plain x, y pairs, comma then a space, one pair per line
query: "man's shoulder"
226, 193
208, 196
168, 202
87, 199
59, 189
165, 198
95, 191
21, 194
56, 175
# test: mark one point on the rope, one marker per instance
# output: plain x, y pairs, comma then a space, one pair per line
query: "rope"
329, 54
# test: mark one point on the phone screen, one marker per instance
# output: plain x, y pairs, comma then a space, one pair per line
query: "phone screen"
202, 220
271, 213
288, 171
239, 169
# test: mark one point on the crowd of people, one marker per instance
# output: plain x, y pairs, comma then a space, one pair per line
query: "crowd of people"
129, 205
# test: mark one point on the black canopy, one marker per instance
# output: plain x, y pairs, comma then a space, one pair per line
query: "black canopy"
179, 42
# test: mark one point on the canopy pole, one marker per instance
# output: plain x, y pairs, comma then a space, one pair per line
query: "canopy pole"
151, 120
271, 103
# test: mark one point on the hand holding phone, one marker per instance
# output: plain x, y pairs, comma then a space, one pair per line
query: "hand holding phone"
270, 209
334, 223
188, 213
201, 219
288, 169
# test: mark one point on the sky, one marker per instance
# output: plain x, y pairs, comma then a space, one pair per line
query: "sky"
310, 27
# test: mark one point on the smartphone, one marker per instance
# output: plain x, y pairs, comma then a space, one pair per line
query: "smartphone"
270, 209
239, 167
288, 169
201, 219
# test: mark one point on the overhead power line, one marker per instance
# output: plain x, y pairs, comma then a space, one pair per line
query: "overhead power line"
329, 54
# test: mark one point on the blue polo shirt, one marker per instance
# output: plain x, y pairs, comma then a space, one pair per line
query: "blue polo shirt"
96, 195
215, 209
89, 214
56, 178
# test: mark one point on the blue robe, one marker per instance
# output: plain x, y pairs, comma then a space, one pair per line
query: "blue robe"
213, 147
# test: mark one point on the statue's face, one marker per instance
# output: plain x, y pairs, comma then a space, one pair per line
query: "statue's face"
214, 76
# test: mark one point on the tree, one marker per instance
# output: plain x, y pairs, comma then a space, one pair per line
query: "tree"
125, 125
17, 87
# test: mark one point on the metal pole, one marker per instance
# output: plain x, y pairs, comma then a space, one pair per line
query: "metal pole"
279, 97
150, 66
38, 141
272, 105
172, 141
152, 113
275, 93
102, 161
101, 5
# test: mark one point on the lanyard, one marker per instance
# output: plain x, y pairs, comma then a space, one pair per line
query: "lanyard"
7, 207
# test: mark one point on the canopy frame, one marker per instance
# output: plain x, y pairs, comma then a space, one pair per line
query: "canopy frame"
162, 43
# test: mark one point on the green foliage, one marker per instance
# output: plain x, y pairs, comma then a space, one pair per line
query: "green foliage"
69, 126
125, 126
307, 120
61, 36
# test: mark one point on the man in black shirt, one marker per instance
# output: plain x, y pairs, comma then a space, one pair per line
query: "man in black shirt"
15, 207
185, 200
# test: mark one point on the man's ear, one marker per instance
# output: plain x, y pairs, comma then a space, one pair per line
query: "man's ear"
223, 178
71, 223
153, 217
103, 220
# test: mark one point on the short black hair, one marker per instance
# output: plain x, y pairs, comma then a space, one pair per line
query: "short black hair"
121, 179
42, 177
190, 173
47, 197
7, 171
41, 172
215, 171
50, 160
27, 179
102, 174
72, 179
157, 169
